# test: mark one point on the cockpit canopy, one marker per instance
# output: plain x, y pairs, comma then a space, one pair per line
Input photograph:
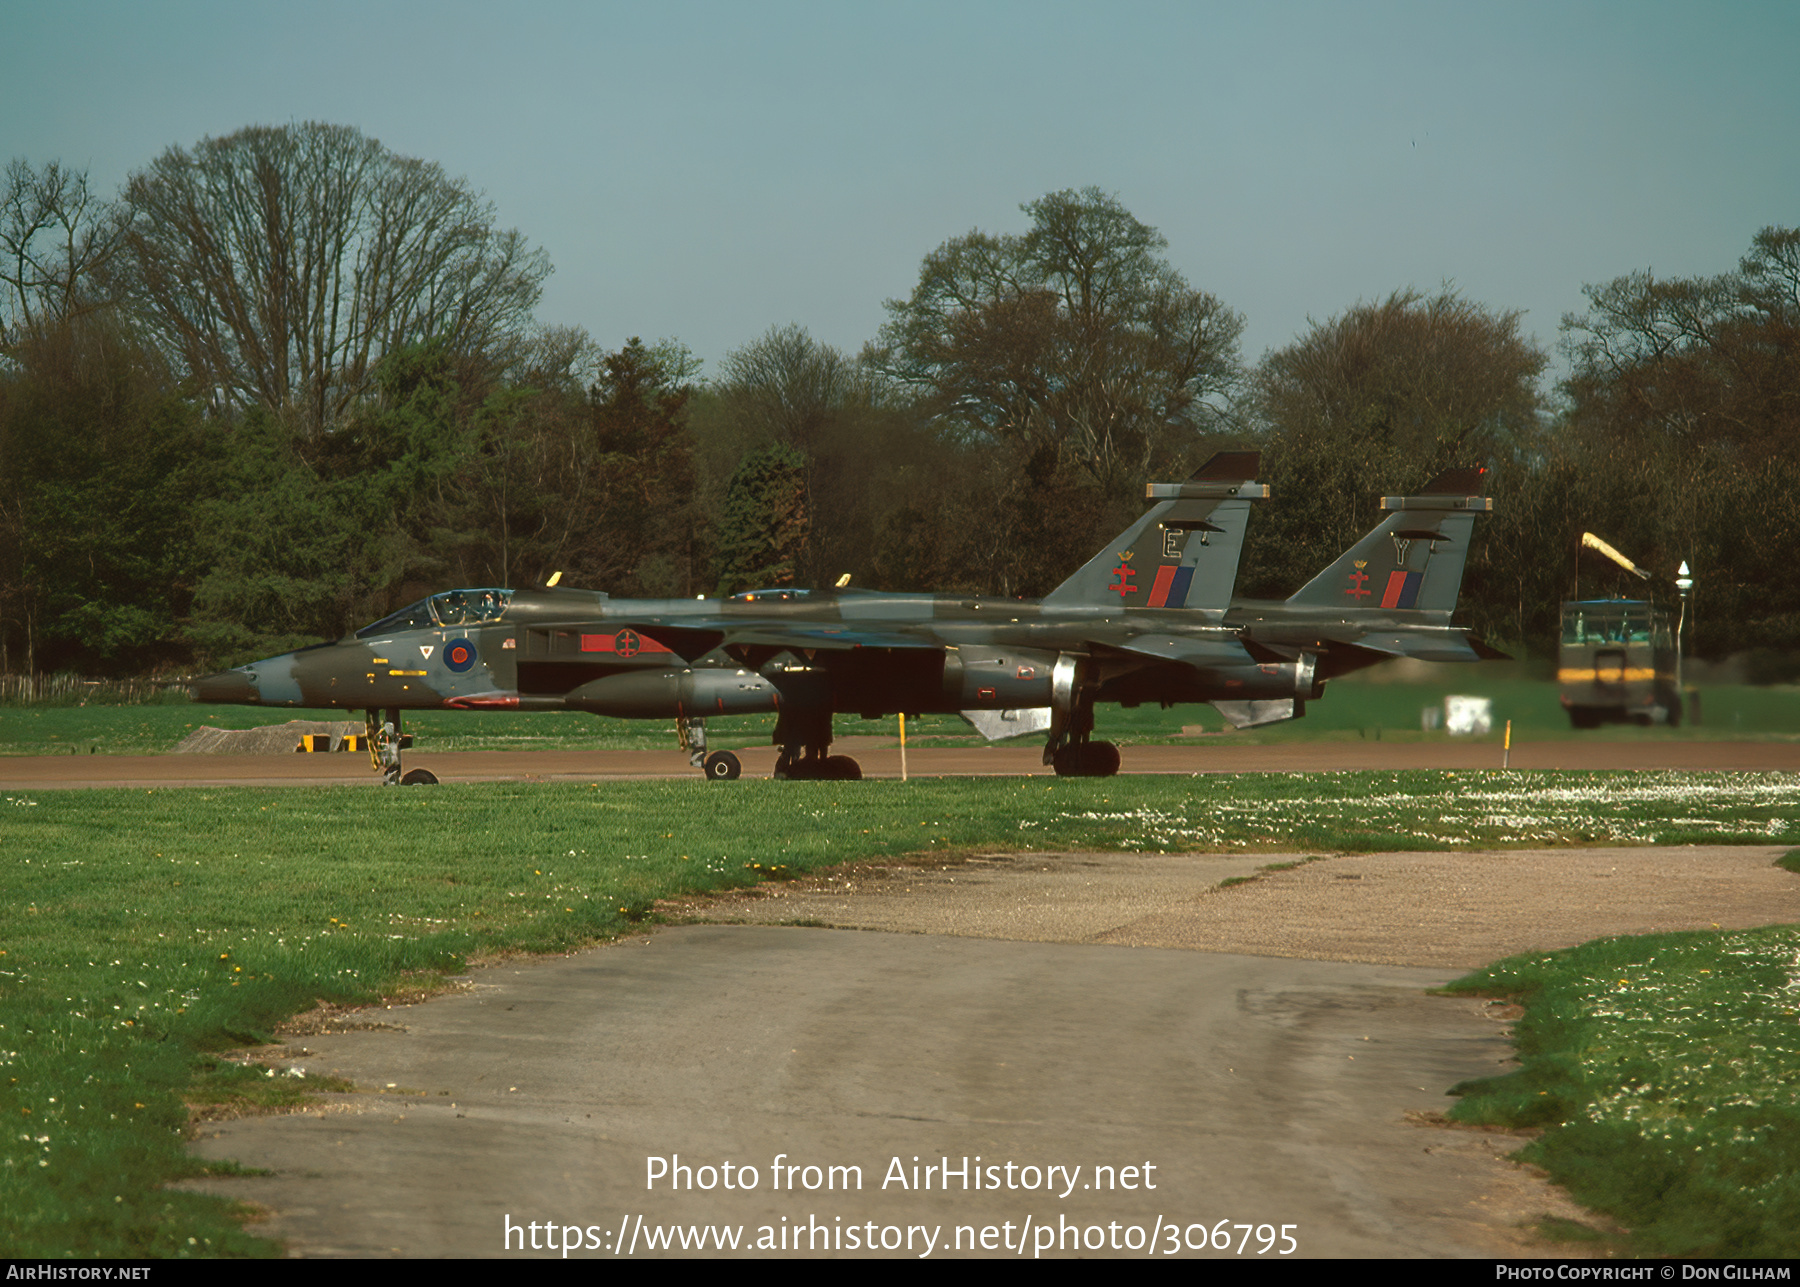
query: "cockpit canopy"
451, 608
768, 596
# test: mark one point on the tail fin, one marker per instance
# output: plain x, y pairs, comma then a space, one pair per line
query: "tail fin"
1414, 558
1183, 553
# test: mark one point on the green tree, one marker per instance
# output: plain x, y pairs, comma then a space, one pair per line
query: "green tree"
1376, 401
101, 464
1690, 389
763, 531
641, 540
1075, 339
866, 450
312, 536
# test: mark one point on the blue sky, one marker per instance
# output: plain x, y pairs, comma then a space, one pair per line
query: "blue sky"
708, 170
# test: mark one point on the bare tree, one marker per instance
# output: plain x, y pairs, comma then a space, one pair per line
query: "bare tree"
56, 238
1695, 363
279, 265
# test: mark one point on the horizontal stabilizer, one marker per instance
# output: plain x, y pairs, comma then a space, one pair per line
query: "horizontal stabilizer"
1253, 714
1454, 489
995, 725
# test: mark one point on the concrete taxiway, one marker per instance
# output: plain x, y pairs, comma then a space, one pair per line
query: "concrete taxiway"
1067, 1011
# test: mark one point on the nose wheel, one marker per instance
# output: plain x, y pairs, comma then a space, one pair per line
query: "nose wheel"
722, 766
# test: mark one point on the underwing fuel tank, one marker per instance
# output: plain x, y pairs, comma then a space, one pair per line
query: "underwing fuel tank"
997, 678
656, 694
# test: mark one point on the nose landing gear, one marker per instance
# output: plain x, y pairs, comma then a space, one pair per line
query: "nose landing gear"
720, 766
386, 741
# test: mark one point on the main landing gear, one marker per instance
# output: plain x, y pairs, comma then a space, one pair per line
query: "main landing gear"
1071, 750
720, 766
1086, 759
386, 741
804, 737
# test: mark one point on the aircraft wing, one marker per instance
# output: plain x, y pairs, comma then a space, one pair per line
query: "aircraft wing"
1195, 651
1448, 646
694, 639
797, 636
1448, 643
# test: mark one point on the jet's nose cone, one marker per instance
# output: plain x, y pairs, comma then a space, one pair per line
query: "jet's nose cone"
236, 686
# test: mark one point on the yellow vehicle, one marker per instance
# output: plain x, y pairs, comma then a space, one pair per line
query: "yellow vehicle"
1618, 664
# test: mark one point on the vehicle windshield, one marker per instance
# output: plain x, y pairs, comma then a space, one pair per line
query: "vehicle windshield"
1604, 623
451, 608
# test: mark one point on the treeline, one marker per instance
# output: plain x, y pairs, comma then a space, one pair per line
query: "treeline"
287, 381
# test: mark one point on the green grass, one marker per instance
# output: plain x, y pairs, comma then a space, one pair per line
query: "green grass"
148, 930
157, 729
1663, 1071
1361, 707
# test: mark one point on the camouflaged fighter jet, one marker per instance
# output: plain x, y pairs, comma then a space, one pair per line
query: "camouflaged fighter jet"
1150, 618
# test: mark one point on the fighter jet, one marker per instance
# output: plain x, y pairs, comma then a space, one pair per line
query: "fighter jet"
1149, 618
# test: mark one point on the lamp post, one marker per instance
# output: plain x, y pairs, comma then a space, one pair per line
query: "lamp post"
1684, 584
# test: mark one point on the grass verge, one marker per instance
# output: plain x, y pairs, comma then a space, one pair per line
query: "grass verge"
147, 930
1357, 709
1662, 1071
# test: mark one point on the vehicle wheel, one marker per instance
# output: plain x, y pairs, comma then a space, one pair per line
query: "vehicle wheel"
1067, 761
1584, 716
419, 777
722, 766
1101, 760
841, 768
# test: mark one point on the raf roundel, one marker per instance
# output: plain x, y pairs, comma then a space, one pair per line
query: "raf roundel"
460, 655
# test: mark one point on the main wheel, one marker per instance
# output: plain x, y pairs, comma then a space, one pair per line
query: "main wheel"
722, 766
1584, 716
1087, 760
841, 768
1101, 760
419, 777
797, 769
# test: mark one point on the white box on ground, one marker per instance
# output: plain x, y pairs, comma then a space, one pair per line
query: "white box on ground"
1469, 715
